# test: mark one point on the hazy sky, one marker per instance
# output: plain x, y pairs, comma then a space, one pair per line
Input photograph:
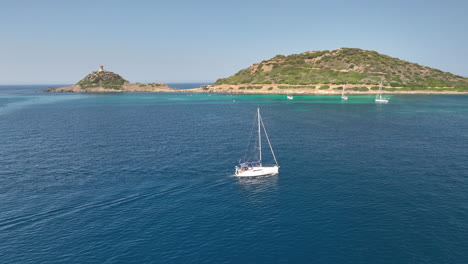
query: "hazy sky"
59, 42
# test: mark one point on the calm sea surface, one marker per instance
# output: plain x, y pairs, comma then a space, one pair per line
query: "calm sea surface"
147, 178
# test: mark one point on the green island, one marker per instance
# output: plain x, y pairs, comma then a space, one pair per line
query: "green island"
105, 79
329, 71
102, 81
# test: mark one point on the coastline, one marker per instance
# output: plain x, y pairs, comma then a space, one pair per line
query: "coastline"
127, 87
241, 89
294, 90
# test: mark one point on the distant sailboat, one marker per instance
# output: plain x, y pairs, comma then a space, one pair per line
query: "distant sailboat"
379, 99
256, 168
343, 96
289, 97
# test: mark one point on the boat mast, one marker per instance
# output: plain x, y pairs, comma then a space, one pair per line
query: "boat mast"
259, 136
380, 90
269, 143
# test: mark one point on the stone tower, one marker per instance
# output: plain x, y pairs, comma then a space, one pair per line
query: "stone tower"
101, 68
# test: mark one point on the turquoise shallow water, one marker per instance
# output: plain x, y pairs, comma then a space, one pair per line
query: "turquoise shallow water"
147, 178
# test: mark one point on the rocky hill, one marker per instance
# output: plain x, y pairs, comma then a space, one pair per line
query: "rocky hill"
102, 81
105, 79
361, 69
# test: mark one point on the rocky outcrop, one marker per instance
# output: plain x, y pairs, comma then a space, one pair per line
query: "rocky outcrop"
102, 81
102, 78
126, 87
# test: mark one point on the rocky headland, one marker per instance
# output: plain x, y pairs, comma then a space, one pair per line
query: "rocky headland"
103, 81
356, 71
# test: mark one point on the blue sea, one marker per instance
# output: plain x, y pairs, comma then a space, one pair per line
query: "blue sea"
148, 178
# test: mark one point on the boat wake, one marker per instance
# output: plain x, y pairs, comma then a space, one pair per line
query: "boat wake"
31, 101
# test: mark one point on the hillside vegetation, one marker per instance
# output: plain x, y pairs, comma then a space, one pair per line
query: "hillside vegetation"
104, 79
345, 65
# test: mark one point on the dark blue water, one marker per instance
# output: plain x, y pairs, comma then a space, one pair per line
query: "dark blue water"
147, 178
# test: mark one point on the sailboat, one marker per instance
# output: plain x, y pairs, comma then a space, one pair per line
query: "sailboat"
256, 168
379, 99
289, 97
343, 96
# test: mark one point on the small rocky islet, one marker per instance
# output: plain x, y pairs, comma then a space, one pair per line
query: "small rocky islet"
102, 81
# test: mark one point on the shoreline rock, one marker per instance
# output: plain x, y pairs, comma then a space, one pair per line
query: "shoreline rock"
126, 87
102, 81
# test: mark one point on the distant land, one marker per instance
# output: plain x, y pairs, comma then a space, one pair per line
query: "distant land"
327, 72
102, 81
313, 72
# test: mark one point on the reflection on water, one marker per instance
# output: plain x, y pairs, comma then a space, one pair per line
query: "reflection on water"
258, 184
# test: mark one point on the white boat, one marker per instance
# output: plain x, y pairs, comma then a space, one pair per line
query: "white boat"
256, 168
343, 96
289, 97
379, 99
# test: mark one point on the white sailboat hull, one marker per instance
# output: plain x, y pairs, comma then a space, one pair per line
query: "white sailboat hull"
257, 171
381, 100
255, 168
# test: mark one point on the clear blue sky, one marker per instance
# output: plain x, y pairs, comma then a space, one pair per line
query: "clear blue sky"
47, 42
